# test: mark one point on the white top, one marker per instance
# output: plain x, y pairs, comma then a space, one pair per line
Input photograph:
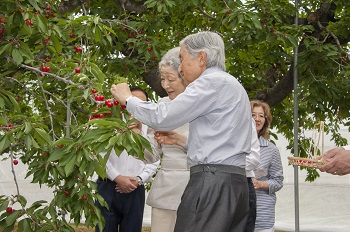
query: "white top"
253, 159
346, 147
127, 165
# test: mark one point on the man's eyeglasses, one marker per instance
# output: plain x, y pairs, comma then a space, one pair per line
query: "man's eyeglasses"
256, 116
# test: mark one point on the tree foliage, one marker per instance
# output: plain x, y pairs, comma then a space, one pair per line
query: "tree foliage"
53, 54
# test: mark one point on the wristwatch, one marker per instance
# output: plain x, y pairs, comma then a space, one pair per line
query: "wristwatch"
139, 180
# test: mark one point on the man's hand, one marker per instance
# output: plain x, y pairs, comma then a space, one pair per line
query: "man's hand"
121, 92
125, 184
337, 161
166, 137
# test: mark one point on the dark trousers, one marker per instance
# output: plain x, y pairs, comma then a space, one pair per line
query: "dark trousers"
252, 207
215, 199
125, 212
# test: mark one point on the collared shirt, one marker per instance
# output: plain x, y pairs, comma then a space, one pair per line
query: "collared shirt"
127, 165
218, 111
253, 159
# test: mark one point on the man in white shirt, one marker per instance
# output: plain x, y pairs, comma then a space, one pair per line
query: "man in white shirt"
123, 190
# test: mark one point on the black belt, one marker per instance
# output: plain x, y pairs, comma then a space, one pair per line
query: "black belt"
217, 168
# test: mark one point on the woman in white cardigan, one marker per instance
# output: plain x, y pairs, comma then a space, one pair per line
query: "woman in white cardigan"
173, 175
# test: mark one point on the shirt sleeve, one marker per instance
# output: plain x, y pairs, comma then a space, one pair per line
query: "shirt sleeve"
148, 171
275, 179
111, 172
197, 99
253, 158
346, 147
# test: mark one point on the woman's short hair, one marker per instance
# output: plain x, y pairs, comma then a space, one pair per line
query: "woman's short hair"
171, 58
264, 132
209, 42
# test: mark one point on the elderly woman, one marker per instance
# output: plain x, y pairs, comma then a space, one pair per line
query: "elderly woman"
269, 174
172, 178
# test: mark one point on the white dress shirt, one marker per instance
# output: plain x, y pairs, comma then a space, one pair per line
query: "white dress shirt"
127, 165
253, 159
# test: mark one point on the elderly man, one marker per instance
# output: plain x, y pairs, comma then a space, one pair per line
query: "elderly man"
217, 108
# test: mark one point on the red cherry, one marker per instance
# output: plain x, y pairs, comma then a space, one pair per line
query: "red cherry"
10, 125
115, 102
345, 60
77, 70
110, 105
38, 12
84, 198
107, 102
101, 115
102, 98
21, 10
148, 40
44, 153
2, 20
72, 36
48, 69
123, 106
47, 59
227, 12
97, 98
47, 16
149, 49
15, 162
66, 193
28, 22
59, 146
48, 7
9, 209
93, 91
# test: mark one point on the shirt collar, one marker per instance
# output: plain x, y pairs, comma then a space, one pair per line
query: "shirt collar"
263, 142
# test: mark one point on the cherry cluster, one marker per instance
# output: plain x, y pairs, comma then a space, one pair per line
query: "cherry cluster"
108, 102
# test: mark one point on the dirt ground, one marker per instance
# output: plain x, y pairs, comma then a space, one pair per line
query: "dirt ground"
84, 229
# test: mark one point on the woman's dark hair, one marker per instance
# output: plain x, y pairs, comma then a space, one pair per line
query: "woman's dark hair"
139, 89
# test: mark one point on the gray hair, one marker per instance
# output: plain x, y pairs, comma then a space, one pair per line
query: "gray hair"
209, 42
171, 58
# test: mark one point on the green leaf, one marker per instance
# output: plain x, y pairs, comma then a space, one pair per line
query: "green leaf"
24, 225
70, 166
257, 23
43, 134
96, 72
28, 141
42, 23
57, 44
27, 127
11, 219
4, 143
2, 119
34, 4
56, 155
8, 46
22, 200
17, 56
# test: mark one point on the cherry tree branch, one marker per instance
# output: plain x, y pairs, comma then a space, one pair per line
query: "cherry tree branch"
340, 49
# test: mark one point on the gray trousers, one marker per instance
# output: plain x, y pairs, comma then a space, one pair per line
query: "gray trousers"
215, 200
